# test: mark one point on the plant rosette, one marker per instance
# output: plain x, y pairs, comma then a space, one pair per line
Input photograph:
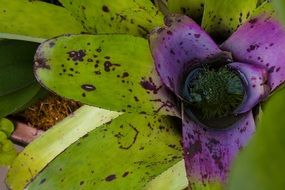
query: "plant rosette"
202, 79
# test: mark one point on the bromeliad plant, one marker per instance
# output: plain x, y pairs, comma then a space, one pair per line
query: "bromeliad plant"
179, 72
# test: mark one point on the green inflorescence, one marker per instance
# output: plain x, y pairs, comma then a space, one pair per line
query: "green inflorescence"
215, 93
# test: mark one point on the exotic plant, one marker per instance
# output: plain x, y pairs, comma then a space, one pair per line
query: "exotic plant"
182, 75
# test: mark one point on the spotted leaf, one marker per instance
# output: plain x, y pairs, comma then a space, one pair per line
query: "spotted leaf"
209, 153
221, 18
44, 149
115, 72
191, 8
260, 42
126, 153
135, 17
260, 2
31, 20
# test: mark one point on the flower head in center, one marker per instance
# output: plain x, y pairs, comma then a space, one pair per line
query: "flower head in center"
211, 95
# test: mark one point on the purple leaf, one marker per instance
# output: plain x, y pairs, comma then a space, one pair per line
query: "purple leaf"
255, 79
261, 41
209, 153
178, 46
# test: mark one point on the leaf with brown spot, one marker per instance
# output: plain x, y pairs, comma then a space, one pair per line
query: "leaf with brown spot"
192, 8
123, 68
136, 17
35, 19
100, 161
53, 142
221, 18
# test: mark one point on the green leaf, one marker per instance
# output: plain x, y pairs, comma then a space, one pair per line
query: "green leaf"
279, 5
44, 149
115, 72
172, 179
265, 7
16, 65
221, 18
14, 101
260, 2
36, 19
191, 8
6, 126
41, 94
124, 154
137, 17
260, 166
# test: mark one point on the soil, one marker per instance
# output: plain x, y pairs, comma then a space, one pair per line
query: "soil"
47, 112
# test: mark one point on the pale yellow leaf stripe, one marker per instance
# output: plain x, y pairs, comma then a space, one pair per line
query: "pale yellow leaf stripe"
43, 150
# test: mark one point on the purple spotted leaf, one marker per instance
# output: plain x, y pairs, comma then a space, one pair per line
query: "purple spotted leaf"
179, 46
261, 41
209, 153
115, 72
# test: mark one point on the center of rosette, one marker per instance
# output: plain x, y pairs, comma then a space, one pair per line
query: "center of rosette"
212, 94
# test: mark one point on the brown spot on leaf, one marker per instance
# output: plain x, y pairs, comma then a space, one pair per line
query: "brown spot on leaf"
110, 178
88, 87
41, 63
77, 55
105, 9
125, 174
108, 65
150, 85
194, 149
42, 181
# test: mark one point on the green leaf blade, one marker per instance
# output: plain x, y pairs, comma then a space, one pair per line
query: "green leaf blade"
115, 72
192, 8
14, 101
36, 19
172, 179
221, 18
136, 17
124, 154
279, 6
16, 65
44, 149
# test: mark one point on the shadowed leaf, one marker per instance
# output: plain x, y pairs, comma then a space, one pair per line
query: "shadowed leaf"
16, 65
221, 18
